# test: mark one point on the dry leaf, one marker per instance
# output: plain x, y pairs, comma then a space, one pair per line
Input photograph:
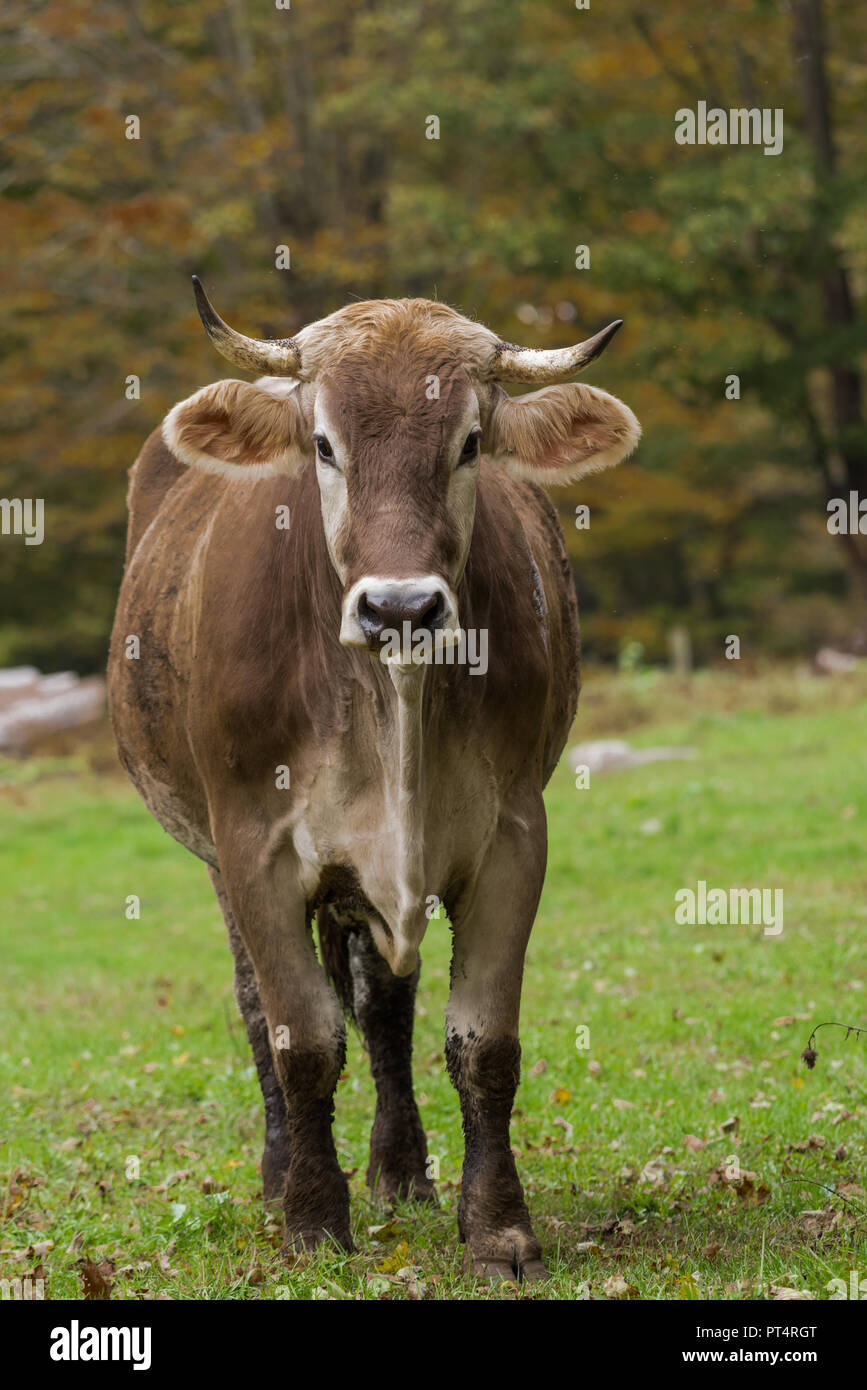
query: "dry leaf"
564, 1125
617, 1287
654, 1172
96, 1278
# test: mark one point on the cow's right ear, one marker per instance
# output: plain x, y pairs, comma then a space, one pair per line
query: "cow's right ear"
237, 430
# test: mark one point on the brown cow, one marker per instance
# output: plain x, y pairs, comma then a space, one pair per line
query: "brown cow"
280, 534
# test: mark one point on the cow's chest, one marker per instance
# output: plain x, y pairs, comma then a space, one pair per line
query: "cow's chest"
405, 835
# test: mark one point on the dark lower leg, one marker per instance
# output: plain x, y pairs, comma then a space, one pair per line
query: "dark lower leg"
384, 1006
316, 1194
493, 1218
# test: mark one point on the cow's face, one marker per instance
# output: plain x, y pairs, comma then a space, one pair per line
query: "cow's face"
395, 403
398, 450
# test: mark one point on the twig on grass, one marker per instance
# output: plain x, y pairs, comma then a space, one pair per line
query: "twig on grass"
810, 1053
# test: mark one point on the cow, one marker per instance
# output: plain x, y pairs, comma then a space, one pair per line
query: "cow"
376, 479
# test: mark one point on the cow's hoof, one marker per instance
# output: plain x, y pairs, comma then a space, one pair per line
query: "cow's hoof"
316, 1206
299, 1242
513, 1257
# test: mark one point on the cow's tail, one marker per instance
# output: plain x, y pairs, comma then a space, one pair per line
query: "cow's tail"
334, 951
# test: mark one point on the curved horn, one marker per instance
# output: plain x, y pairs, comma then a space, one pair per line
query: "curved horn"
544, 365
274, 356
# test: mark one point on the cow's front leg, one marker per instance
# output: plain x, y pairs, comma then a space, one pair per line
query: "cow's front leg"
483, 1053
305, 1033
275, 1156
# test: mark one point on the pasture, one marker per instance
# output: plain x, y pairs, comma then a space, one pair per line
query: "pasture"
131, 1116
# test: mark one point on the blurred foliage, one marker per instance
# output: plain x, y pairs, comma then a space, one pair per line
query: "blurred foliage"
306, 127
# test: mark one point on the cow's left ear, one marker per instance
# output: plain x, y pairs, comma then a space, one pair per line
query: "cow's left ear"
560, 433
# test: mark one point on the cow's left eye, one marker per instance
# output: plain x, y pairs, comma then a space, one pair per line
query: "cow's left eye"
471, 447
324, 449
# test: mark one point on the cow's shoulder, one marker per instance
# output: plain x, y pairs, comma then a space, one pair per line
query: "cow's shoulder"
535, 614
151, 478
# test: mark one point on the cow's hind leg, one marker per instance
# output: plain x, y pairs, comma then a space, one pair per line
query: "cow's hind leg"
383, 1005
275, 1156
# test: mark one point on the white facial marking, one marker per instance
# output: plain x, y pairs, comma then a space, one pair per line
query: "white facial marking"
397, 591
463, 483
332, 486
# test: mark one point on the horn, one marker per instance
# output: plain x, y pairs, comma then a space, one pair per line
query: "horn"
544, 365
274, 356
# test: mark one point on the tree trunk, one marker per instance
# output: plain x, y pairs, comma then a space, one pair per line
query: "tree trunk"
850, 438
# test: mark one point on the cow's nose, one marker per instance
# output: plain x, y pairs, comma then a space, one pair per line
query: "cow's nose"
376, 608
388, 608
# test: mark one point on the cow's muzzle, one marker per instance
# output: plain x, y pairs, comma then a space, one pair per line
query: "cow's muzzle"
377, 611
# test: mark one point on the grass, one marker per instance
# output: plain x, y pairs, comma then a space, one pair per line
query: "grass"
132, 1125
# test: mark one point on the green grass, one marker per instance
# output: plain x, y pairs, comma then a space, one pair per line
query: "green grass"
120, 1038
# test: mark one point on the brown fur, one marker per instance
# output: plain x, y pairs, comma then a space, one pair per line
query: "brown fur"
241, 672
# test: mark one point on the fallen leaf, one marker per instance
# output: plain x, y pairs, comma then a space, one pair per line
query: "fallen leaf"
96, 1278
617, 1287
396, 1260
815, 1141
564, 1125
389, 1230
654, 1173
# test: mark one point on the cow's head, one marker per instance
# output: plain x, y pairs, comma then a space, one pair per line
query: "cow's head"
398, 400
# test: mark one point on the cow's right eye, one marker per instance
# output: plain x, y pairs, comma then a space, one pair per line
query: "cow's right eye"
324, 449
470, 450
